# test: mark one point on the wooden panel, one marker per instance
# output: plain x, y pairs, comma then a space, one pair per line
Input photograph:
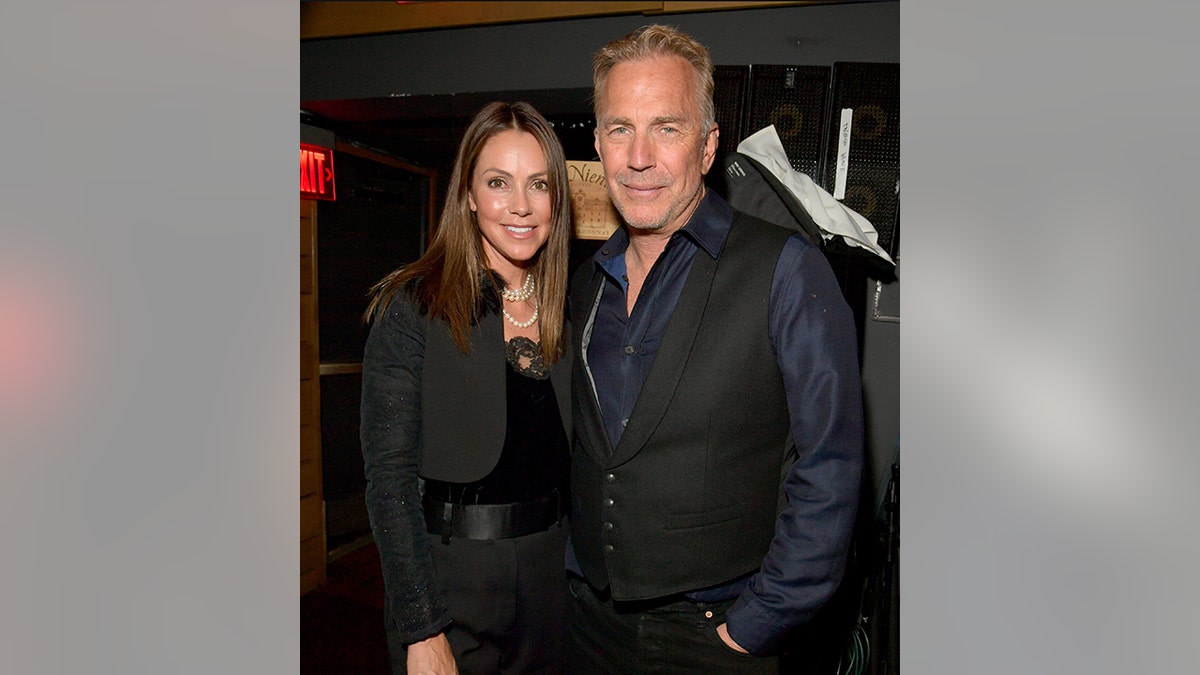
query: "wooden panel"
307, 361
340, 369
342, 19
312, 579
671, 7
312, 504
310, 478
312, 517
311, 554
312, 564
306, 275
308, 317
308, 211
310, 402
310, 443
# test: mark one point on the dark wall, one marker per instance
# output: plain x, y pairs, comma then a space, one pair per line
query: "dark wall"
557, 54
444, 71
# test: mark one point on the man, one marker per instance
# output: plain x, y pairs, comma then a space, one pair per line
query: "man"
717, 398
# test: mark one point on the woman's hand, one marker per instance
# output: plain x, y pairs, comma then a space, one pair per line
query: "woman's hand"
431, 656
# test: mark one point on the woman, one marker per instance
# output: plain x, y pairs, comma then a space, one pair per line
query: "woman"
464, 405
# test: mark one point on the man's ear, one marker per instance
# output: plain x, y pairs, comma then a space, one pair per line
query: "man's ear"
711, 141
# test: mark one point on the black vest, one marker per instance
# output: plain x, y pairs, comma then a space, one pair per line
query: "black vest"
689, 496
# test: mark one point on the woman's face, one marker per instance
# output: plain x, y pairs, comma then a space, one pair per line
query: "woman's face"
510, 195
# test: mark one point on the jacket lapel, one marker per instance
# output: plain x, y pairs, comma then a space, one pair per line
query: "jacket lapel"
670, 361
584, 303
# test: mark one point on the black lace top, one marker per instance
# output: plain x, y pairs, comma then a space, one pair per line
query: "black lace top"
533, 462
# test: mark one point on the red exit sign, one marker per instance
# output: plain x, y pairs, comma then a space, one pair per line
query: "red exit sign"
316, 172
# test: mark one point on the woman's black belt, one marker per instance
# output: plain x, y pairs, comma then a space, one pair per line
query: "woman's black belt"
492, 521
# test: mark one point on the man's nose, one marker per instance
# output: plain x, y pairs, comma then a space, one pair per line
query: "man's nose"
641, 152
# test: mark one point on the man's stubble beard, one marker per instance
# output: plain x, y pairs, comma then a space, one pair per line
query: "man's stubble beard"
689, 207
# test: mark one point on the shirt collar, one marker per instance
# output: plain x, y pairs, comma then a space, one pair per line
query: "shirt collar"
709, 224
707, 228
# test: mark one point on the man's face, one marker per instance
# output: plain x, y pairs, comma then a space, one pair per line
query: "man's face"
651, 141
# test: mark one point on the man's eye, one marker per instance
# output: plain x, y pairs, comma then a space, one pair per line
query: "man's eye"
670, 130
618, 131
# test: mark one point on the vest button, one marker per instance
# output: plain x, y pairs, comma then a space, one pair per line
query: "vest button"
608, 527
608, 548
609, 502
629, 349
610, 478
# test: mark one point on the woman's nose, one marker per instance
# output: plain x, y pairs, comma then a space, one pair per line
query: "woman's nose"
519, 204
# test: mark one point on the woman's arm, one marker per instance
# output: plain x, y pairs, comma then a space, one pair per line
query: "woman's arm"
391, 435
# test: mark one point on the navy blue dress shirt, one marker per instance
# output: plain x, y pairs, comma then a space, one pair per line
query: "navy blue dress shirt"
622, 348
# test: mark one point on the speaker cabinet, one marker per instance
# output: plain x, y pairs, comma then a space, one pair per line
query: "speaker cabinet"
871, 91
729, 99
793, 98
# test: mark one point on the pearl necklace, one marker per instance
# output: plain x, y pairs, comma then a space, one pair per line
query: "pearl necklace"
520, 294
522, 324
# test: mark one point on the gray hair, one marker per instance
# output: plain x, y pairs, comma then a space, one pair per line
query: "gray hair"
658, 40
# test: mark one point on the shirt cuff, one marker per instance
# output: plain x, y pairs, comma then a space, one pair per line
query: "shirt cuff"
753, 627
426, 632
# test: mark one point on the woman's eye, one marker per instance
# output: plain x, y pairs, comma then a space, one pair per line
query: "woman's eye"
495, 183
540, 185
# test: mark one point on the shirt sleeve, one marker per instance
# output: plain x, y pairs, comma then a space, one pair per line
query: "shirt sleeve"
813, 334
390, 433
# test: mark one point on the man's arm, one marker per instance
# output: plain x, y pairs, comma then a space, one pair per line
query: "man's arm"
813, 334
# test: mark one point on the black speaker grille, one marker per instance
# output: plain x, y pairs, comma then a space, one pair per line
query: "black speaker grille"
872, 91
793, 99
729, 98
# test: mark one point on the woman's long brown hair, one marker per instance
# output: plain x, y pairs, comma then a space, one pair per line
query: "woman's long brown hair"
447, 280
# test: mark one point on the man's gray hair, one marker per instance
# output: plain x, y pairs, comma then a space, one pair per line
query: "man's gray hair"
658, 40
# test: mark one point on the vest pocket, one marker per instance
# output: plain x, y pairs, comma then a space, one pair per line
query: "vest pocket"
677, 521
